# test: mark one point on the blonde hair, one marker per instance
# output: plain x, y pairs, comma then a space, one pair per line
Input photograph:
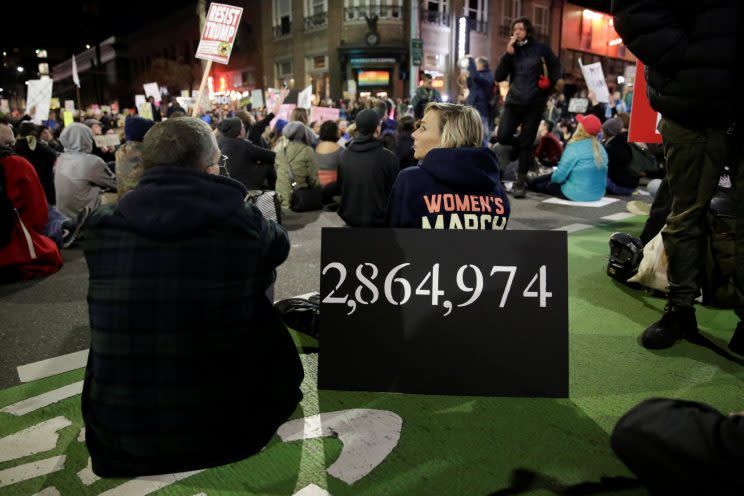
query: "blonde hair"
299, 114
582, 134
460, 125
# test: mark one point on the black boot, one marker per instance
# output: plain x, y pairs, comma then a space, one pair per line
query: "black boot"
677, 323
737, 340
520, 187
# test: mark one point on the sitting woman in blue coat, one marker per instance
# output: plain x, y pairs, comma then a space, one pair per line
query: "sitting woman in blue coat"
581, 174
457, 185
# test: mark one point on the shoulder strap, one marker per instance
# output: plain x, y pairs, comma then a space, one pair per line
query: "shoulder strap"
292, 182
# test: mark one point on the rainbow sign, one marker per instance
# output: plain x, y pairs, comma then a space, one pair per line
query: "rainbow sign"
374, 78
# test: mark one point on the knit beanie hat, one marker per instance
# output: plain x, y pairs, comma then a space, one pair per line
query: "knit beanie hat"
367, 121
136, 127
612, 127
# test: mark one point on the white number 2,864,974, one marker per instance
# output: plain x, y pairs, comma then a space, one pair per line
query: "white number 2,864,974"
469, 280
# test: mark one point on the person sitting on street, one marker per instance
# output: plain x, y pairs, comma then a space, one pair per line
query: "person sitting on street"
549, 148
129, 155
179, 317
581, 174
80, 178
621, 178
366, 174
294, 151
253, 166
40, 155
25, 252
457, 184
328, 157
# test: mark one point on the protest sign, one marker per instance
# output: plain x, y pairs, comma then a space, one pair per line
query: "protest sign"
105, 140
578, 105
152, 90
54, 103
272, 95
106, 108
257, 100
595, 81
284, 112
145, 110
185, 94
323, 114
434, 313
67, 117
138, 100
305, 98
39, 99
4, 107
219, 33
643, 119
69, 105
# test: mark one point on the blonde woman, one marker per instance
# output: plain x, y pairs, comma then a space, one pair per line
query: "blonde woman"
457, 184
581, 174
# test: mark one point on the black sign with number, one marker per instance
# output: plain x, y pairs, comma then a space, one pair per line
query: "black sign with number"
454, 312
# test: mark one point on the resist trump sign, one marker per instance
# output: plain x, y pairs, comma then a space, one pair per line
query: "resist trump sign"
219, 33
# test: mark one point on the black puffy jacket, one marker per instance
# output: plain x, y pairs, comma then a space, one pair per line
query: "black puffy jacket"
690, 53
524, 69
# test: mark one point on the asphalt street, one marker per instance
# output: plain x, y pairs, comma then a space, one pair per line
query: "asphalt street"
49, 317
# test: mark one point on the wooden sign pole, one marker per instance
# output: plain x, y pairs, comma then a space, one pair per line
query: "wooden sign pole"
207, 69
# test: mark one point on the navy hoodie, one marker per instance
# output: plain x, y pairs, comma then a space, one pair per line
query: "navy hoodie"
452, 188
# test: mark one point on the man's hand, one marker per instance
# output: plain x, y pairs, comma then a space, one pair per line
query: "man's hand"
510, 45
592, 98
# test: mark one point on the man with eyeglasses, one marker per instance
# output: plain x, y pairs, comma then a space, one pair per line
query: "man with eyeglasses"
190, 365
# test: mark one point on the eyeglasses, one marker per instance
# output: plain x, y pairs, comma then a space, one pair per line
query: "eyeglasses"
222, 164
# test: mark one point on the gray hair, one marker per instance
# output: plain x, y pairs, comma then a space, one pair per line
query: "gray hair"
185, 142
483, 60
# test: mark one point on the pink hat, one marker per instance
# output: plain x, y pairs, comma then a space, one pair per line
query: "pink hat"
591, 123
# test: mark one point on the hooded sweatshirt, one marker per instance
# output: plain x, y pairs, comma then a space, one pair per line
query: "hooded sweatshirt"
366, 175
180, 321
452, 188
79, 176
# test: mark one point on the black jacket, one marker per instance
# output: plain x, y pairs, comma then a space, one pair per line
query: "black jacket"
524, 69
404, 150
619, 158
366, 176
690, 52
43, 159
256, 130
251, 165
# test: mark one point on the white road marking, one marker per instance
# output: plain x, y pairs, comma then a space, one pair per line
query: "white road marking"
571, 228
35, 439
142, 486
618, 216
368, 436
312, 490
48, 491
81, 436
31, 470
86, 475
42, 400
52, 366
593, 204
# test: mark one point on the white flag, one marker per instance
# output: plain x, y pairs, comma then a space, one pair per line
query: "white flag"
75, 77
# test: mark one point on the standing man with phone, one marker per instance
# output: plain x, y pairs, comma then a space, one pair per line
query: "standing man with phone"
532, 70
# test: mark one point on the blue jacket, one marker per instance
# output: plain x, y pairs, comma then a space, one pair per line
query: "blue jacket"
452, 188
577, 173
480, 84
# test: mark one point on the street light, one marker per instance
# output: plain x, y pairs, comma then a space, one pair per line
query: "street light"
87, 47
19, 69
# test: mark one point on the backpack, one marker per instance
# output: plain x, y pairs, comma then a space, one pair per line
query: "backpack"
8, 214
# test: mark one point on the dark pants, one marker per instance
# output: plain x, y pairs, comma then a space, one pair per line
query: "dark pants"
660, 209
542, 184
682, 447
695, 160
529, 117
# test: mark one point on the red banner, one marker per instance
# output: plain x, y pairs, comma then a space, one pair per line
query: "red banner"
643, 119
